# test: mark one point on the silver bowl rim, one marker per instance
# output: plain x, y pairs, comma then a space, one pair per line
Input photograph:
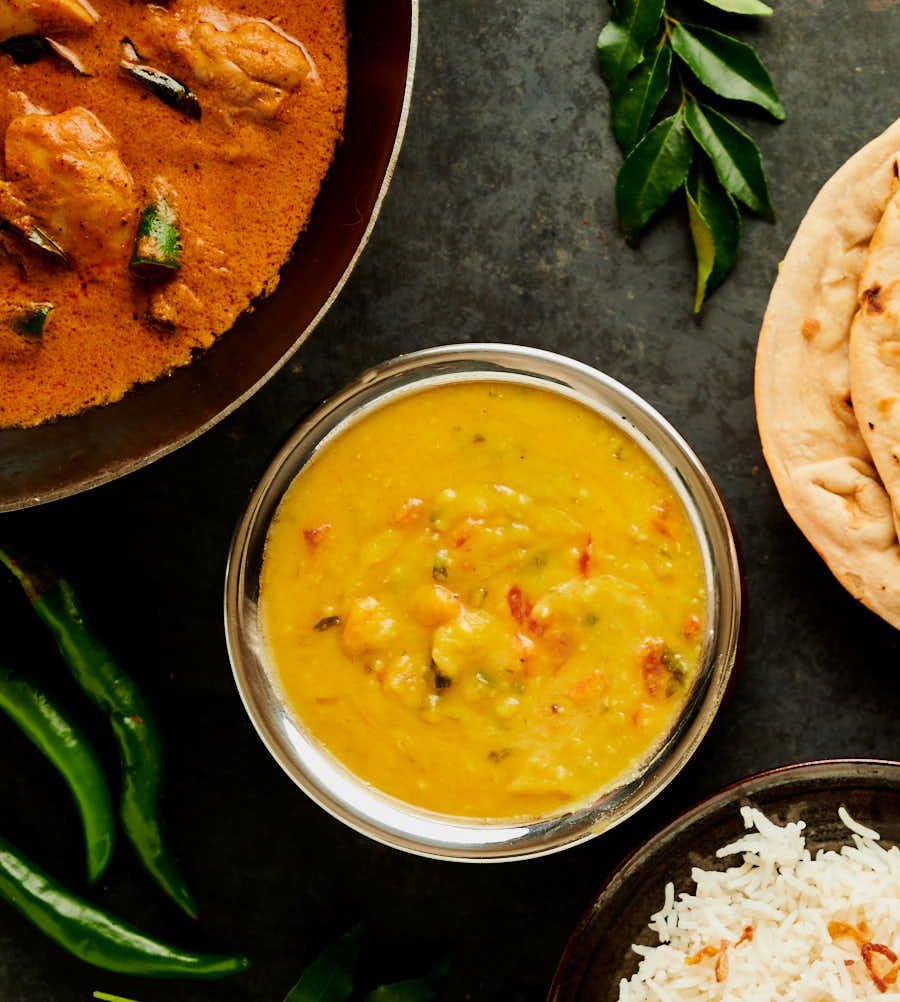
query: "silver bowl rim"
356, 803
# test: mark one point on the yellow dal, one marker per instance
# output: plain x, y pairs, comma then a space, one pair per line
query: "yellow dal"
485, 600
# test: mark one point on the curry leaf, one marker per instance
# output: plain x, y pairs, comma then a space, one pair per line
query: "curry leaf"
621, 43
756, 7
634, 106
330, 977
417, 990
30, 48
735, 157
653, 171
703, 247
721, 215
635, 52
730, 68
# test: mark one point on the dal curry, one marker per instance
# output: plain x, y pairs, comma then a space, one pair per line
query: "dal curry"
484, 599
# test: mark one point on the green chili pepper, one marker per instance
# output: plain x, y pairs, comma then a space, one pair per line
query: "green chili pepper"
30, 322
157, 243
114, 691
95, 936
66, 746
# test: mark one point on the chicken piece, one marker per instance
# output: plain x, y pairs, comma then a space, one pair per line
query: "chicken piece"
44, 17
252, 65
173, 306
66, 169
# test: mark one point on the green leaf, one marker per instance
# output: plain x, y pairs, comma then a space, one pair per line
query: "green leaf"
110, 998
735, 157
727, 66
703, 247
756, 7
418, 990
621, 43
329, 978
653, 171
633, 107
720, 214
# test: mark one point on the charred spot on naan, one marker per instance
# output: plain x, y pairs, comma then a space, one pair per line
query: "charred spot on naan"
870, 299
842, 405
810, 328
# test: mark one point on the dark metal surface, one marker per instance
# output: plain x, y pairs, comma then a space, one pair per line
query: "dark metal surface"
76, 453
499, 226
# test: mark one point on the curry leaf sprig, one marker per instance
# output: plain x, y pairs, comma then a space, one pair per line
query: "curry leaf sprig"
645, 54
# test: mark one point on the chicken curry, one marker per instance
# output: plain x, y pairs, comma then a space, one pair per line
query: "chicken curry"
485, 600
158, 165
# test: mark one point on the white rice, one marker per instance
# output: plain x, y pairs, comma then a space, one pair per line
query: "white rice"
788, 898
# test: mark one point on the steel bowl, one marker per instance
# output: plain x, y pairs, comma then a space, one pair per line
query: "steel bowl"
367, 809
75, 453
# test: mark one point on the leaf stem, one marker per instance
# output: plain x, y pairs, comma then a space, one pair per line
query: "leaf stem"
686, 95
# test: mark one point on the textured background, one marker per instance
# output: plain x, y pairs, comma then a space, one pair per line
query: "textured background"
499, 226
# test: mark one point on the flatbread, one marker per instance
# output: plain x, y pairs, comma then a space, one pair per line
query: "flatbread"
812, 443
875, 353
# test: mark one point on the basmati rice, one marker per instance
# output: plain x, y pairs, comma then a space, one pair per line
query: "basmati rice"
788, 899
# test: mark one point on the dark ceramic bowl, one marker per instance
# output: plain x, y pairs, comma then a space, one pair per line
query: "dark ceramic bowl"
599, 952
76, 453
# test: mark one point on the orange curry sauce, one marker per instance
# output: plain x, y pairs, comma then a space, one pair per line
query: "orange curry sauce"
271, 79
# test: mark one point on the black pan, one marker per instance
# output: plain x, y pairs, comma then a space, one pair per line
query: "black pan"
76, 453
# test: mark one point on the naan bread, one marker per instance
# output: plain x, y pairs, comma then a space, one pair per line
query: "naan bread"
875, 352
811, 440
